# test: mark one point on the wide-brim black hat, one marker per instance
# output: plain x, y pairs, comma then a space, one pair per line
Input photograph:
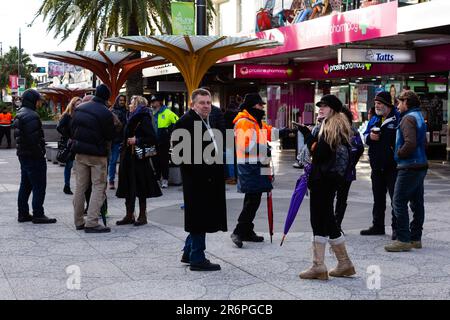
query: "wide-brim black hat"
332, 101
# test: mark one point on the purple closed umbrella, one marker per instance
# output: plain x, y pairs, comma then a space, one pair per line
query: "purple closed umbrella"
297, 198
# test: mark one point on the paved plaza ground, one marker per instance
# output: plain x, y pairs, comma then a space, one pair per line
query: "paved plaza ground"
37, 261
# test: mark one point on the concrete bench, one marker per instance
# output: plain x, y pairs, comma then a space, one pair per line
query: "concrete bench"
52, 151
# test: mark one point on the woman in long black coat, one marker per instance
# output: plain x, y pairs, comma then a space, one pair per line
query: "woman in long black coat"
136, 176
203, 183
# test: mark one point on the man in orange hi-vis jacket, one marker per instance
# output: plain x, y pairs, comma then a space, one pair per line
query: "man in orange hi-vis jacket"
5, 126
253, 158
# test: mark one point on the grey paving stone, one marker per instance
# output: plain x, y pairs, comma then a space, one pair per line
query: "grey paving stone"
149, 290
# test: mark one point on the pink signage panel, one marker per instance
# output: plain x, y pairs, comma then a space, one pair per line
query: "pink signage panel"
259, 71
429, 59
356, 25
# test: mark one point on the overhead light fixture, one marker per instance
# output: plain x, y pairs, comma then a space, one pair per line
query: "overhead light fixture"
411, 77
378, 77
357, 81
432, 76
374, 79
252, 83
285, 83
391, 78
328, 80
343, 79
313, 83
360, 78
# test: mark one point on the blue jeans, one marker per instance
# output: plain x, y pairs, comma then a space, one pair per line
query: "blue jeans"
195, 247
33, 179
409, 188
230, 164
115, 152
67, 172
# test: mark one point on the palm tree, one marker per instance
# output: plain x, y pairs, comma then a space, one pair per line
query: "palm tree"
9, 66
101, 19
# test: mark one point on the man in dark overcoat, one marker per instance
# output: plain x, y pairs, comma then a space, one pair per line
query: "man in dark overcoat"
198, 150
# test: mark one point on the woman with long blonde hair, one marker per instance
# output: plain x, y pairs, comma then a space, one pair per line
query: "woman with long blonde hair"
64, 128
330, 151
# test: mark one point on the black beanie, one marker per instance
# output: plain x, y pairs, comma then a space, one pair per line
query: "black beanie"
103, 92
30, 97
332, 101
385, 98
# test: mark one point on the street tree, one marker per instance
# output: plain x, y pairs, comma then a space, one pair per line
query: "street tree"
9, 66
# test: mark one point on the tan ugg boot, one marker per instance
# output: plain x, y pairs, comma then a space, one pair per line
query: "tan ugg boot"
318, 270
345, 266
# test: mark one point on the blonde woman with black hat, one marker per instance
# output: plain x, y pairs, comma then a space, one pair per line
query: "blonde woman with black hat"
330, 151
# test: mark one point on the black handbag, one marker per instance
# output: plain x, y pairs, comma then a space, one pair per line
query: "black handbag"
145, 152
65, 153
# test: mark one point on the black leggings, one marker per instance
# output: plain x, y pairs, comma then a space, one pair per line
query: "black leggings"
130, 203
323, 222
341, 201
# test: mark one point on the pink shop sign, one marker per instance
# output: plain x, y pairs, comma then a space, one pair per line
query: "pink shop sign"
256, 71
357, 25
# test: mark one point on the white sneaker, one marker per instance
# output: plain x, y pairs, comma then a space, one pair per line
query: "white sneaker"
164, 184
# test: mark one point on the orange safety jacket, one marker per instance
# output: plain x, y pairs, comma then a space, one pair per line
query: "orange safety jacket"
251, 139
5, 119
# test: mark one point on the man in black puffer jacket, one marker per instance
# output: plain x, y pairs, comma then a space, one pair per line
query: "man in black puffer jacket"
92, 132
31, 152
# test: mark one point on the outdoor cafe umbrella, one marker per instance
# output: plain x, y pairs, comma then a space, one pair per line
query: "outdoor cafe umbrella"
299, 193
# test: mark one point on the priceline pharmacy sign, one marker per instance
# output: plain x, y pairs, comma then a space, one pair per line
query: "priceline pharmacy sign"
376, 55
330, 68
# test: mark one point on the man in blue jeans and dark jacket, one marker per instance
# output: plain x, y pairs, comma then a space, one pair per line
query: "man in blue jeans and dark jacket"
31, 152
380, 137
412, 168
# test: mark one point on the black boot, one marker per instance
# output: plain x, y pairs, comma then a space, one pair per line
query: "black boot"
206, 265
67, 190
129, 218
142, 219
252, 237
25, 218
373, 231
43, 220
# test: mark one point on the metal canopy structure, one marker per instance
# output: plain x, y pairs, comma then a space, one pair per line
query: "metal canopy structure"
192, 55
113, 68
63, 95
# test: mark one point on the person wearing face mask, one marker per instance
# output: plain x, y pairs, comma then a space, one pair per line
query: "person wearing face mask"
380, 137
330, 150
252, 136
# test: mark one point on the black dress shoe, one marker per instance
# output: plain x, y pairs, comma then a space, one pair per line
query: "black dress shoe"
80, 227
185, 258
252, 238
67, 190
236, 240
43, 220
206, 265
373, 231
97, 229
23, 219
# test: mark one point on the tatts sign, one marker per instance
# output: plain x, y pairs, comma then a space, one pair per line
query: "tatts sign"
259, 71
